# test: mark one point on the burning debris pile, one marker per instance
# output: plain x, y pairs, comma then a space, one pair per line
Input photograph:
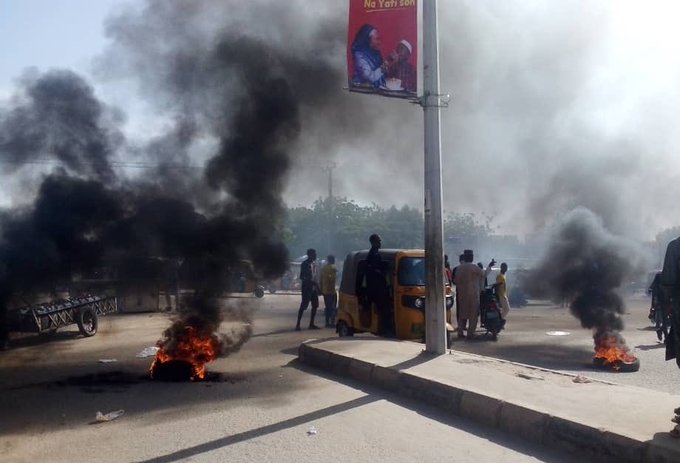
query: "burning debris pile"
194, 340
183, 352
584, 265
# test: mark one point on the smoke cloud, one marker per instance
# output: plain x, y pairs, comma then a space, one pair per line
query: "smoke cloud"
553, 107
57, 115
228, 98
584, 265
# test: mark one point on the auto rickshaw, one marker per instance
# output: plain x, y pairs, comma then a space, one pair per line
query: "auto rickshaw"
405, 271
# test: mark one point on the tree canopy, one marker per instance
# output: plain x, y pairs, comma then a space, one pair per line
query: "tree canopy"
338, 226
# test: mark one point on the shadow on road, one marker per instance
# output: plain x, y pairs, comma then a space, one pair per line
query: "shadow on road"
262, 431
657, 345
29, 340
373, 394
542, 355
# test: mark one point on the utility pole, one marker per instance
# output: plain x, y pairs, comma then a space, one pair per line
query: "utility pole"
435, 306
330, 224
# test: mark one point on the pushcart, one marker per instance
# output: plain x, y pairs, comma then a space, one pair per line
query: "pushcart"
48, 317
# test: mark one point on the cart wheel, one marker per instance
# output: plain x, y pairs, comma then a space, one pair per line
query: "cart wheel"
259, 292
87, 322
344, 330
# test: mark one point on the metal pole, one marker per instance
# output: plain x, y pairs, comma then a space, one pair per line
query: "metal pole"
435, 307
330, 224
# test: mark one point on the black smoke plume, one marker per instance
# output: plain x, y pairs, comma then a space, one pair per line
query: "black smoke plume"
58, 116
584, 265
235, 103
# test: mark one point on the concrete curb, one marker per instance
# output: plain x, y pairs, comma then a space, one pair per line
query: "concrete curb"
533, 425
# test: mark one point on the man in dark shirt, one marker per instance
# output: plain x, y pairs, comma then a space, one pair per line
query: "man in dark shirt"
670, 284
309, 289
377, 287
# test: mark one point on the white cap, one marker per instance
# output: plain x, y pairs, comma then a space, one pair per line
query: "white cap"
407, 45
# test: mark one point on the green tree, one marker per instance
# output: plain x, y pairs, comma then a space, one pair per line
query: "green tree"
338, 226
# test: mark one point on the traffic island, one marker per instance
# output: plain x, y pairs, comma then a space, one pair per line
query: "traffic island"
597, 420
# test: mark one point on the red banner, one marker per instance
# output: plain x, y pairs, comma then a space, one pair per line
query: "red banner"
382, 47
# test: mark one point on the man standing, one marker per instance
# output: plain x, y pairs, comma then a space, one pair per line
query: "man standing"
330, 297
670, 283
377, 287
309, 289
502, 291
468, 278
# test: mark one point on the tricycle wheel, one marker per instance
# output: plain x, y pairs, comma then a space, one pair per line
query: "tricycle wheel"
87, 322
259, 292
344, 330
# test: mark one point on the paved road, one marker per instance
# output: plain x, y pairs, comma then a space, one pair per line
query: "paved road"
525, 341
262, 409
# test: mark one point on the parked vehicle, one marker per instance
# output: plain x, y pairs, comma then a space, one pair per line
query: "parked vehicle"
405, 270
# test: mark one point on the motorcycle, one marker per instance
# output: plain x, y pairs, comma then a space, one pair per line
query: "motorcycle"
490, 313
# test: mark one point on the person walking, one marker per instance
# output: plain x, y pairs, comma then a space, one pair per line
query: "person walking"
309, 289
329, 274
469, 278
502, 291
658, 314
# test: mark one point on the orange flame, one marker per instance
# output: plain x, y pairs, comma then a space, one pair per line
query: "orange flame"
193, 348
612, 352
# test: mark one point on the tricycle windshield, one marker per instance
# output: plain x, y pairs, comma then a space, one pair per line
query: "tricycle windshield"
412, 271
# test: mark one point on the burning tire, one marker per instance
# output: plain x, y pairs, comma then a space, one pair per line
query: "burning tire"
620, 366
344, 330
87, 322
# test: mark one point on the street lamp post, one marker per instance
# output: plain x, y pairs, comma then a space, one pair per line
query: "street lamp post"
435, 308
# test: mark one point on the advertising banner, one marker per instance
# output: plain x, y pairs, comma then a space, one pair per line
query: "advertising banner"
382, 47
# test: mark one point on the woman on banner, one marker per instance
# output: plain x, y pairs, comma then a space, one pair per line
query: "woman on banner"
369, 66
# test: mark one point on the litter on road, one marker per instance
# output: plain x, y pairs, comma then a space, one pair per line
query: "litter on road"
108, 360
109, 416
311, 431
148, 352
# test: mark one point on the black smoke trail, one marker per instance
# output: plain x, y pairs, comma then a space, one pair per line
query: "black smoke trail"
584, 265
